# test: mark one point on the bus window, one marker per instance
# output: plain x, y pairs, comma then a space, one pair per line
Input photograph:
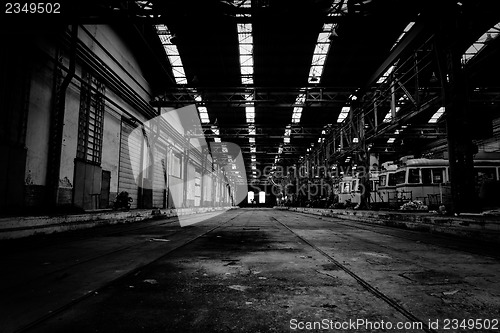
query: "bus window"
438, 176
399, 177
393, 178
382, 180
426, 176
414, 176
485, 174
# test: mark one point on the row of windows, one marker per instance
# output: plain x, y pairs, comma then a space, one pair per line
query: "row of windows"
427, 176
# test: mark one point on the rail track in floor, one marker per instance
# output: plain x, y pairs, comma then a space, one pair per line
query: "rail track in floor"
367, 286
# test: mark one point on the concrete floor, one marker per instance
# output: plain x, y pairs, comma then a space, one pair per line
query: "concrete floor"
248, 270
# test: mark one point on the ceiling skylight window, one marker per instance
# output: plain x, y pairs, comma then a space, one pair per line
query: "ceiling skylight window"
405, 31
386, 74
481, 42
172, 53
388, 116
338, 8
343, 114
246, 52
178, 70
204, 114
245, 46
315, 71
297, 111
436, 116
391, 140
320, 53
244, 3
215, 130
250, 114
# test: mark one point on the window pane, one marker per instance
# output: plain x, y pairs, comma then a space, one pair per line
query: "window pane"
426, 176
414, 176
437, 176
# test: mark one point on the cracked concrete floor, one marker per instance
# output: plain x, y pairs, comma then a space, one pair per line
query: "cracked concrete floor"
253, 274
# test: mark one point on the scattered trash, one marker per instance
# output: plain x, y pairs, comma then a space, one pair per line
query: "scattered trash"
303, 257
262, 278
248, 303
238, 287
257, 272
159, 240
131, 286
452, 292
150, 281
228, 273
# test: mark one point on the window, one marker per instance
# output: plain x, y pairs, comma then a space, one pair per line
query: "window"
438, 176
345, 187
400, 177
91, 118
426, 176
485, 174
176, 166
382, 180
413, 176
392, 180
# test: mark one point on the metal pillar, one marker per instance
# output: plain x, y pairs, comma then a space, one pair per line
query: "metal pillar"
460, 144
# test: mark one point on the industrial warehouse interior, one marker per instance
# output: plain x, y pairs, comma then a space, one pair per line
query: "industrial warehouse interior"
250, 166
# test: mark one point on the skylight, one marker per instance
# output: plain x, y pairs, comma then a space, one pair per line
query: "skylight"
391, 140
388, 116
175, 60
405, 31
436, 116
172, 53
315, 71
245, 40
204, 114
250, 114
386, 74
320, 53
343, 114
245, 45
481, 42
